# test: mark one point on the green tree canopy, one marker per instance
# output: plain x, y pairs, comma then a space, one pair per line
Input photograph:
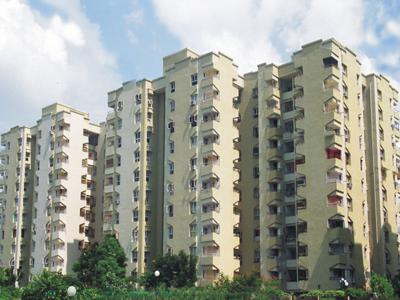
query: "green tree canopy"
175, 271
7, 278
382, 286
103, 265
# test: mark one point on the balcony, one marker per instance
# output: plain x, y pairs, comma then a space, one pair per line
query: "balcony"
236, 143
331, 82
273, 107
236, 163
236, 121
272, 132
209, 75
236, 102
211, 93
62, 141
236, 230
335, 198
84, 245
237, 254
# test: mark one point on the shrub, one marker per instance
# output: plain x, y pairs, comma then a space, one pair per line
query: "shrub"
382, 286
355, 293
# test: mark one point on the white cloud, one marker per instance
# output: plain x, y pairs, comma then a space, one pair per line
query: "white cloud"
392, 28
391, 59
254, 31
368, 64
46, 59
371, 38
135, 17
132, 38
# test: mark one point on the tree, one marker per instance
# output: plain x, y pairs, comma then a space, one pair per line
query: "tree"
175, 271
47, 285
382, 286
85, 266
7, 278
102, 265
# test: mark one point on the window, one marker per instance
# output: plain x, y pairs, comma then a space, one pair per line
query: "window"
256, 213
257, 256
136, 175
134, 256
193, 250
172, 86
170, 232
119, 123
172, 105
255, 151
192, 230
194, 78
170, 188
171, 147
193, 140
138, 98
193, 120
255, 112
170, 210
136, 195
171, 167
171, 126
256, 172
273, 123
193, 163
137, 137
193, 185
138, 117
193, 207
288, 106
193, 100
137, 155
256, 193
135, 215
255, 131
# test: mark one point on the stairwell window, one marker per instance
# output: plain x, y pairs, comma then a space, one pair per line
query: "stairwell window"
193, 207
170, 232
135, 215
171, 126
193, 78
136, 175
172, 86
172, 105
255, 131
193, 120
136, 195
170, 210
171, 167
255, 112
137, 155
137, 137
171, 147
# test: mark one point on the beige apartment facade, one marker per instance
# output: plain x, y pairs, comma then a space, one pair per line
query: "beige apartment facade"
290, 171
50, 191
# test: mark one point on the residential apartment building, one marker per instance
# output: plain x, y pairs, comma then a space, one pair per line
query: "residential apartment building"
16, 186
49, 197
383, 163
313, 227
128, 192
198, 171
172, 127
290, 171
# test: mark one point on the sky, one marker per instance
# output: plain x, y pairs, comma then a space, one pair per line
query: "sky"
75, 51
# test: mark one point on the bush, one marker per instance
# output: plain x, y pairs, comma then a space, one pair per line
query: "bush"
175, 271
382, 286
355, 293
46, 286
9, 293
